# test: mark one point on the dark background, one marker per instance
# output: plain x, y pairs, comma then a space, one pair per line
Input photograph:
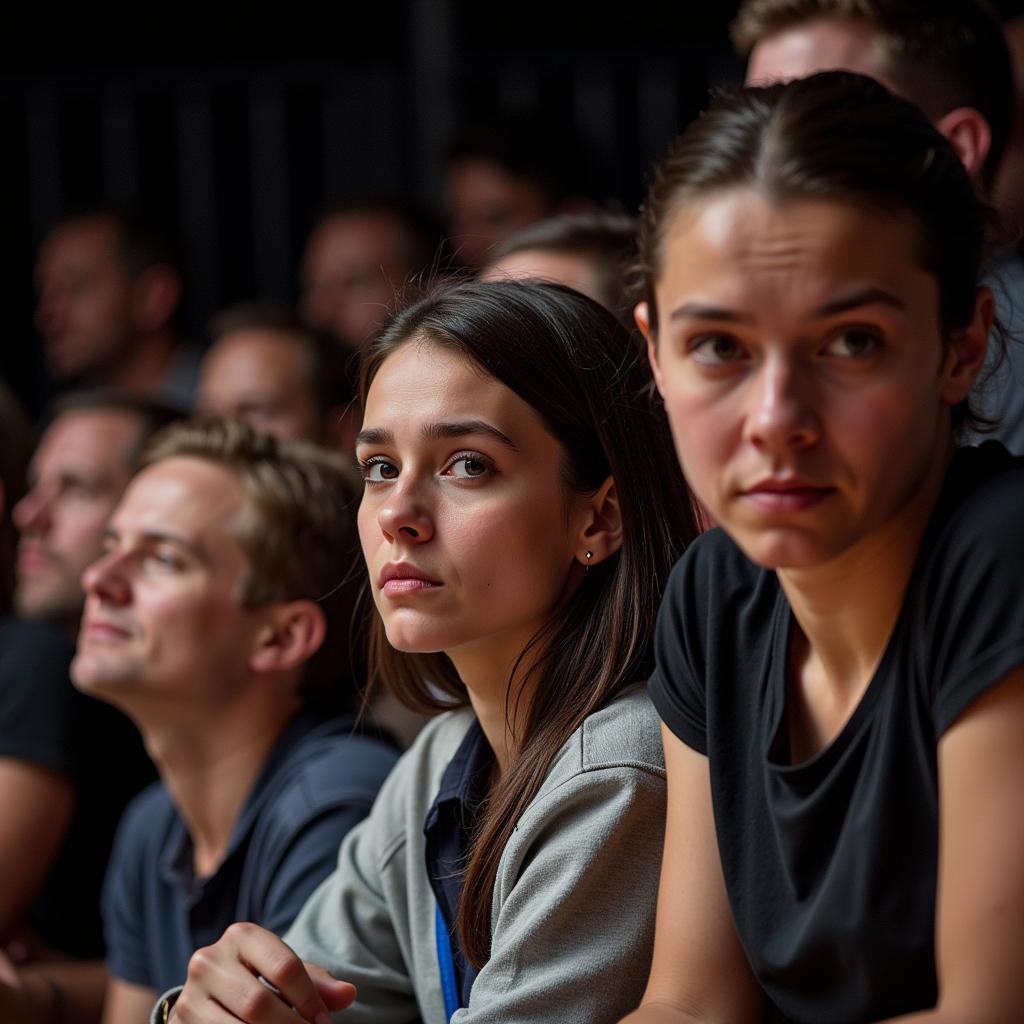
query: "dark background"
235, 123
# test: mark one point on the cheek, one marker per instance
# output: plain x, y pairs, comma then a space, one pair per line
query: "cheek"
704, 430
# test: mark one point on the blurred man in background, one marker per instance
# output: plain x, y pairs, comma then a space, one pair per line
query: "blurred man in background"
109, 290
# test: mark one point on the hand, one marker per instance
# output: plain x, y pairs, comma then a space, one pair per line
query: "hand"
224, 983
24, 999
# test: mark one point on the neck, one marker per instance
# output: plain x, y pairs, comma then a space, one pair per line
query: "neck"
143, 367
502, 707
209, 765
847, 608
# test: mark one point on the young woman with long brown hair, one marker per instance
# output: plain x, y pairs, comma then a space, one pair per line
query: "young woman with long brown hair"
520, 516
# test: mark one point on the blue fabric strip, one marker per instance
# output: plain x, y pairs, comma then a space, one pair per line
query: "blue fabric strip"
446, 962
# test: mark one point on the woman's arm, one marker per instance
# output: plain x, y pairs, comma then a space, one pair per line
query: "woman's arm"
980, 915
699, 972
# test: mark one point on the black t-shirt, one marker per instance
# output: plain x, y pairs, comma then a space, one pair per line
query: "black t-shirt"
45, 721
830, 865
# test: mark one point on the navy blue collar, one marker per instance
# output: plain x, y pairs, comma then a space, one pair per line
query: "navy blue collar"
176, 863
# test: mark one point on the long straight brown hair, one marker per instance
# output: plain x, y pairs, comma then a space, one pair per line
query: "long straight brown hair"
588, 380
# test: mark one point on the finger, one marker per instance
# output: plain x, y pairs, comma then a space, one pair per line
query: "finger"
219, 983
338, 995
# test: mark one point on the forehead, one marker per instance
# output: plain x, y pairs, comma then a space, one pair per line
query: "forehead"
88, 439
80, 241
422, 382
182, 495
571, 269
256, 354
737, 244
350, 235
818, 44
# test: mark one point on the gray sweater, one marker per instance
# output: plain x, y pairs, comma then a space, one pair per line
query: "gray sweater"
572, 918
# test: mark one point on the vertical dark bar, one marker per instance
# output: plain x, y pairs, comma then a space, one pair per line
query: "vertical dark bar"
120, 144
432, 52
595, 113
44, 151
198, 200
657, 115
269, 152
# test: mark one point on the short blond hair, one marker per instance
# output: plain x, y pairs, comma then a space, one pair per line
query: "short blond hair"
298, 525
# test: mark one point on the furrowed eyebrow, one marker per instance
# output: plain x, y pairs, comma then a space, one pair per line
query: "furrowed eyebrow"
701, 311
439, 431
861, 297
375, 435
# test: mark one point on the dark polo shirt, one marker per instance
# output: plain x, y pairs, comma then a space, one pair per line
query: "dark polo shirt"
318, 782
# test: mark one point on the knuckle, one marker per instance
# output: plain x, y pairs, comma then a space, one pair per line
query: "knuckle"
201, 962
255, 1002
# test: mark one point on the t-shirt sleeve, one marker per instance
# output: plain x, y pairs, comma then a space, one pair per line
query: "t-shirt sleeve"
677, 684
974, 629
36, 697
124, 899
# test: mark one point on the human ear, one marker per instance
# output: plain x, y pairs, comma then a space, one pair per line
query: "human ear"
967, 349
642, 316
155, 296
291, 634
970, 134
601, 534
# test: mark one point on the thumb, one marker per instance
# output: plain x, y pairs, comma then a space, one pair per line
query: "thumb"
337, 995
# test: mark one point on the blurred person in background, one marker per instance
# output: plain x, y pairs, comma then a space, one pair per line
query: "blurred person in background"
68, 764
266, 368
501, 176
358, 257
109, 288
586, 251
14, 452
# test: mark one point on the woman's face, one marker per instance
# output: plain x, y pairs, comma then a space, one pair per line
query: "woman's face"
466, 526
800, 357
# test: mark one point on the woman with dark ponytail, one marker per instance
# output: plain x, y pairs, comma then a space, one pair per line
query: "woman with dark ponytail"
840, 667
521, 514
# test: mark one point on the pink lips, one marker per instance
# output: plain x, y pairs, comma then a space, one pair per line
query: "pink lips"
786, 494
403, 578
103, 629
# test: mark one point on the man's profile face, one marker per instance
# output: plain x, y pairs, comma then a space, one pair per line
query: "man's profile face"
819, 44
351, 271
163, 614
85, 298
263, 376
76, 476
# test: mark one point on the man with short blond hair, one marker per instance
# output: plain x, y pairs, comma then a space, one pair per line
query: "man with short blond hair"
218, 618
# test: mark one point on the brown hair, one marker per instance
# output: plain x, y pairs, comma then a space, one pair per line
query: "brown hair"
587, 379
297, 529
839, 136
940, 54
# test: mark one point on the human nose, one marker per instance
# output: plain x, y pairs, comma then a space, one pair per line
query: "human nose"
105, 578
404, 514
783, 414
32, 514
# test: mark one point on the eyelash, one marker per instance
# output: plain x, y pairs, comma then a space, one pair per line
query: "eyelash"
365, 466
